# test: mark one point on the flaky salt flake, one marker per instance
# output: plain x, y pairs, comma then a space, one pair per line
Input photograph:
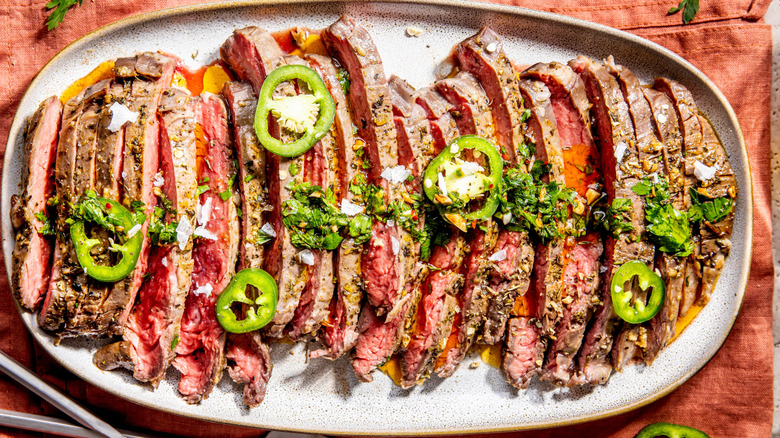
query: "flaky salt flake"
442, 185
397, 174
396, 245
703, 172
183, 232
164, 261
390, 223
470, 168
120, 115
158, 180
350, 208
268, 229
204, 233
204, 212
620, 151
203, 290
498, 256
306, 257
492, 47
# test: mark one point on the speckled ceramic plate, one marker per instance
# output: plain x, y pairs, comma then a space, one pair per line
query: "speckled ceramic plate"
321, 396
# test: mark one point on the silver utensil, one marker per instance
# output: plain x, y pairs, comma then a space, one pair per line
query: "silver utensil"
52, 395
40, 423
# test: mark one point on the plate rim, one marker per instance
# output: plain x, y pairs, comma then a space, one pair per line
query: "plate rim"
742, 280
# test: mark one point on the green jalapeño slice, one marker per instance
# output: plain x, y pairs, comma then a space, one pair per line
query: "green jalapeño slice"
258, 312
309, 116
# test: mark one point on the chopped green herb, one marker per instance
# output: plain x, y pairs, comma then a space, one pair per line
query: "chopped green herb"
713, 210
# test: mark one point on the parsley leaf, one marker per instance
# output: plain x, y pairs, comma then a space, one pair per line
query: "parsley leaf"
689, 8
58, 14
713, 210
668, 227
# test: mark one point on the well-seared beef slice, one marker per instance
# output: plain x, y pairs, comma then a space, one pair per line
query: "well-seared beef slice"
153, 325
548, 264
581, 280
251, 179
251, 53
649, 149
416, 146
69, 284
619, 155
111, 145
471, 106
672, 268
483, 56
693, 147
543, 127
472, 299
32, 252
508, 279
385, 273
153, 75
438, 110
580, 261
715, 237
319, 169
432, 322
200, 355
524, 351
249, 362
340, 333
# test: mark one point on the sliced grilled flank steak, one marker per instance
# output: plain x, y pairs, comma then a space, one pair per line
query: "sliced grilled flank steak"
471, 106
32, 252
248, 358
438, 110
483, 56
581, 260
432, 323
69, 284
153, 325
619, 159
548, 264
151, 74
387, 266
508, 279
340, 333
543, 127
416, 146
253, 53
649, 150
693, 147
319, 169
472, 114
472, 298
249, 362
672, 268
715, 237
524, 351
111, 145
251, 180
200, 352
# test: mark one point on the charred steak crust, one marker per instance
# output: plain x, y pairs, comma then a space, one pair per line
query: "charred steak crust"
32, 251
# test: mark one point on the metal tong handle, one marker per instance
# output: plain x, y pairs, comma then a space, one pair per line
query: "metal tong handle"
52, 395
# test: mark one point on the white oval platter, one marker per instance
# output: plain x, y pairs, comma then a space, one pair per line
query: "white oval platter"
322, 396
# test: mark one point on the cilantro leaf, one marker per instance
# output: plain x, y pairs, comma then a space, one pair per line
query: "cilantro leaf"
689, 8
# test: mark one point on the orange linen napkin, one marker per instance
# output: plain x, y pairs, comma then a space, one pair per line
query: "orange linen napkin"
730, 397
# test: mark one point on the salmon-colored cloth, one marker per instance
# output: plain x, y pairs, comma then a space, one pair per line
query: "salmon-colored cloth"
730, 397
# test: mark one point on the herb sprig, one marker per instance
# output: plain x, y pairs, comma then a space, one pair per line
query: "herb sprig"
60, 9
689, 8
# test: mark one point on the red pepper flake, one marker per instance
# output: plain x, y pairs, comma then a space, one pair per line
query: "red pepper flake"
474, 223
109, 206
505, 156
527, 161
